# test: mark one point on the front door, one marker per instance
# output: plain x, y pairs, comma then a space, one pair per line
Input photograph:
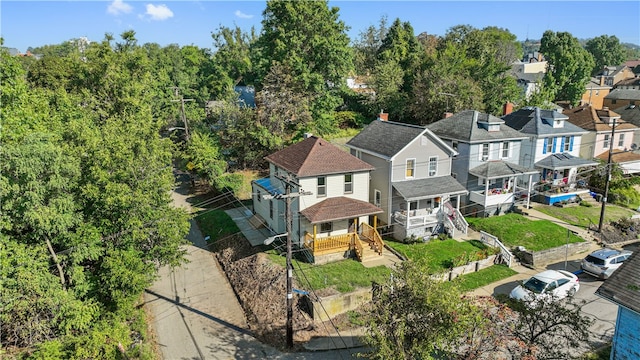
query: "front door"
352, 225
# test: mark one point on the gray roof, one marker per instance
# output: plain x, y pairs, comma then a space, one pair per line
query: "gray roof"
623, 94
499, 169
529, 120
412, 190
594, 83
629, 113
385, 138
463, 126
623, 286
560, 161
530, 77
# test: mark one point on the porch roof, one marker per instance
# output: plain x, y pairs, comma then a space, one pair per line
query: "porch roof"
412, 190
499, 169
339, 208
620, 156
562, 161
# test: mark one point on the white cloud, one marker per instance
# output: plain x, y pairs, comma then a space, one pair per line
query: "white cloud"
242, 15
118, 7
160, 12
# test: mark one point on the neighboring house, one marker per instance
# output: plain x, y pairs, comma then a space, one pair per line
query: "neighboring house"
487, 161
529, 73
623, 289
596, 90
612, 75
598, 141
360, 84
621, 97
331, 214
412, 180
629, 84
552, 147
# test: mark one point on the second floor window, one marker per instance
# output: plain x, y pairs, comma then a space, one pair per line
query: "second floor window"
411, 168
485, 152
322, 186
377, 198
348, 183
271, 209
567, 143
505, 149
605, 143
433, 166
549, 145
621, 140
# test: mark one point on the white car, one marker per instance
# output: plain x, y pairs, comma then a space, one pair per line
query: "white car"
549, 284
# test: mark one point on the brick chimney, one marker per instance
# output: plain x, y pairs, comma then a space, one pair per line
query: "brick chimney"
601, 80
383, 116
507, 108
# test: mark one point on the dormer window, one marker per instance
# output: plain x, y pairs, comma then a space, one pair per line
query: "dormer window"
493, 127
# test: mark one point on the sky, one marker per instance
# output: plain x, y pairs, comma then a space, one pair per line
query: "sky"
26, 24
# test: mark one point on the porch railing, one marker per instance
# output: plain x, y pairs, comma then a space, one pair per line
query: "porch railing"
493, 241
329, 244
419, 219
371, 234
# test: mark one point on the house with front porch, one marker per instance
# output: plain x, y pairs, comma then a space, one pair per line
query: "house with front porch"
552, 147
607, 131
412, 181
330, 217
487, 163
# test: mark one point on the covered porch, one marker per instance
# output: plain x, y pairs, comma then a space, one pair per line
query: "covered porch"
337, 228
497, 181
423, 207
559, 178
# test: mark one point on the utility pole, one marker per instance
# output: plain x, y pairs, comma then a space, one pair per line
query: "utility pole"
182, 112
289, 183
608, 178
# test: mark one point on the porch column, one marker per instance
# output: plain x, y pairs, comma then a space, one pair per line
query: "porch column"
529, 190
486, 192
315, 243
375, 221
355, 224
458, 202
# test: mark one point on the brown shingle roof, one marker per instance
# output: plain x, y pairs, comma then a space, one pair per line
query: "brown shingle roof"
314, 156
339, 208
588, 118
623, 287
619, 157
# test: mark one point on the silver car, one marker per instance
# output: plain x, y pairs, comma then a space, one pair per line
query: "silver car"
602, 263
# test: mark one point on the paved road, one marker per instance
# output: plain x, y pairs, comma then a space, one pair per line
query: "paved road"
196, 314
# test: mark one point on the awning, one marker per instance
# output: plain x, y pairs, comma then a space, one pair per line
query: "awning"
412, 190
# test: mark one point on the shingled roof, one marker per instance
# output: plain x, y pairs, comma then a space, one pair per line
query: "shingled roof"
463, 126
623, 286
529, 120
315, 156
588, 118
338, 208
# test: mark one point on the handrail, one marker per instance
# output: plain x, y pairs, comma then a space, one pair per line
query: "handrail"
372, 234
506, 254
358, 247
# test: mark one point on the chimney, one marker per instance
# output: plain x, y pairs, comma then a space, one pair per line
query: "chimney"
601, 80
448, 115
507, 108
307, 135
383, 116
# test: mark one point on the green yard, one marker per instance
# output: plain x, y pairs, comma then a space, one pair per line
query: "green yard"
484, 277
440, 255
585, 216
516, 230
216, 224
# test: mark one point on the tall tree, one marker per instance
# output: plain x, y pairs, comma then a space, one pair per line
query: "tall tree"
569, 66
606, 51
309, 39
367, 45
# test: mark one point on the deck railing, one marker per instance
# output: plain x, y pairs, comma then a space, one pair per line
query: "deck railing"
371, 234
329, 244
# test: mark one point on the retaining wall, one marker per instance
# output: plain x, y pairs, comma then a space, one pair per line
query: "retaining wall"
544, 257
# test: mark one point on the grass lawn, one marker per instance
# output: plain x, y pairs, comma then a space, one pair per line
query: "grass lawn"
440, 255
216, 224
582, 215
344, 276
516, 230
484, 277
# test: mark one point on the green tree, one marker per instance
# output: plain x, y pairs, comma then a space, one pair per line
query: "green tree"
414, 316
231, 63
367, 45
307, 38
606, 51
569, 66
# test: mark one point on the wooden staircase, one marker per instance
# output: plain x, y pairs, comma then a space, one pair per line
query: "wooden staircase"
368, 252
589, 199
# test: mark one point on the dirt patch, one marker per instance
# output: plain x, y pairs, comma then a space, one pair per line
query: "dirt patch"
260, 286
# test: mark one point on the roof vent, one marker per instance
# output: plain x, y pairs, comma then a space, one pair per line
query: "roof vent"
632, 106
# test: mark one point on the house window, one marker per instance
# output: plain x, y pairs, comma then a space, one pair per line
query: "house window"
454, 145
271, 209
411, 168
505, 149
613, 101
549, 145
348, 183
377, 198
605, 143
621, 140
326, 227
485, 152
567, 143
413, 205
322, 186
433, 165
259, 196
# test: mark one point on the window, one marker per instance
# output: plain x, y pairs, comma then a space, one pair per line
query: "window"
322, 186
605, 143
613, 101
433, 165
271, 209
505, 149
326, 227
485, 152
377, 198
621, 140
567, 143
259, 196
411, 167
348, 183
413, 205
549, 145
454, 145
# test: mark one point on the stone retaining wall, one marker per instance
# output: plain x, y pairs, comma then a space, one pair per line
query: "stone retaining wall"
544, 257
330, 306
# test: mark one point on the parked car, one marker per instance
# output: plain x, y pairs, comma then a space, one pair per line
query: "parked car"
549, 285
602, 263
